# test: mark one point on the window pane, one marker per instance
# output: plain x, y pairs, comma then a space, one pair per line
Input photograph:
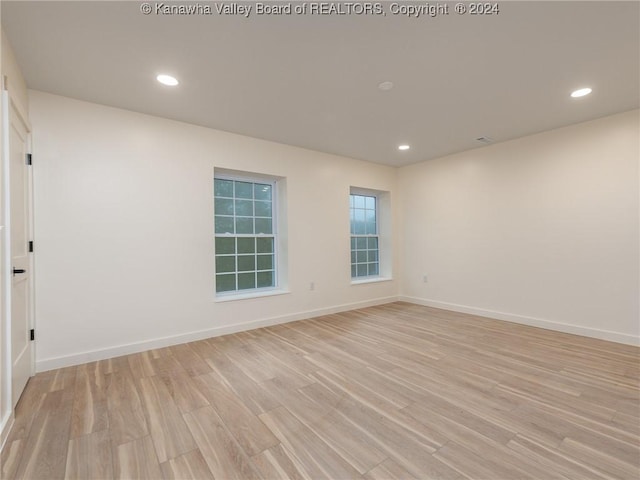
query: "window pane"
372, 243
351, 201
225, 245
361, 243
373, 269
246, 245
262, 191
371, 228
353, 243
372, 256
353, 256
244, 208
265, 279
224, 206
225, 264
224, 224
370, 216
246, 263
225, 283
263, 225
265, 262
263, 209
370, 202
265, 245
361, 256
353, 271
358, 201
223, 188
246, 280
244, 190
359, 225
362, 270
244, 225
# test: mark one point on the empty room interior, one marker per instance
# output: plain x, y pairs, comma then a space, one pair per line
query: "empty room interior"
320, 240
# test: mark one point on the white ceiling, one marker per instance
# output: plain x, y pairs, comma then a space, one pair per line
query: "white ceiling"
311, 81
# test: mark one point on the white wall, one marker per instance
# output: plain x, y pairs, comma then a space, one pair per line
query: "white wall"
540, 230
124, 230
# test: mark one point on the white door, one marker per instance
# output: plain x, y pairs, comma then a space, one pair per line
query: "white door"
19, 194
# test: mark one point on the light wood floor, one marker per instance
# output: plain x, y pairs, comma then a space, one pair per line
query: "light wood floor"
396, 391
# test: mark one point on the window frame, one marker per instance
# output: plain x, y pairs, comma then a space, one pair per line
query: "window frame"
369, 277
256, 291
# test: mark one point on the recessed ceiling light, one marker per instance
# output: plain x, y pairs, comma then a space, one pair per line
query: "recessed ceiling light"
581, 92
403, 147
384, 86
167, 80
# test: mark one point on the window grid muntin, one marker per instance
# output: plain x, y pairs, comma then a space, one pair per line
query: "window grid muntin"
365, 245
263, 278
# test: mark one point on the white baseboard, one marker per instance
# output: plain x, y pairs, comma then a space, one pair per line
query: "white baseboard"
530, 321
116, 351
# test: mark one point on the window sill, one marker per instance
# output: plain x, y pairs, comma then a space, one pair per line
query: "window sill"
244, 296
371, 280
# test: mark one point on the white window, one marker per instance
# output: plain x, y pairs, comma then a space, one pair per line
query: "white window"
245, 234
365, 241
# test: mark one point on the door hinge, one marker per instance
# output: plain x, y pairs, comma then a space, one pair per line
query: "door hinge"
28, 159
30, 246
33, 334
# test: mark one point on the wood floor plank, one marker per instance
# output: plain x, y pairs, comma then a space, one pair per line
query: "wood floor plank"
324, 420
253, 362
10, 457
286, 372
224, 457
27, 408
169, 433
391, 391
397, 420
191, 465
315, 456
136, 460
553, 460
89, 457
288, 353
90, 413
193, 363
472, 465
388, 470
277, 463
255, 398
184, 391
166, 366
600, 460
63, 378
47, 442
406, 447
246, 428
127, 420
627, 423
